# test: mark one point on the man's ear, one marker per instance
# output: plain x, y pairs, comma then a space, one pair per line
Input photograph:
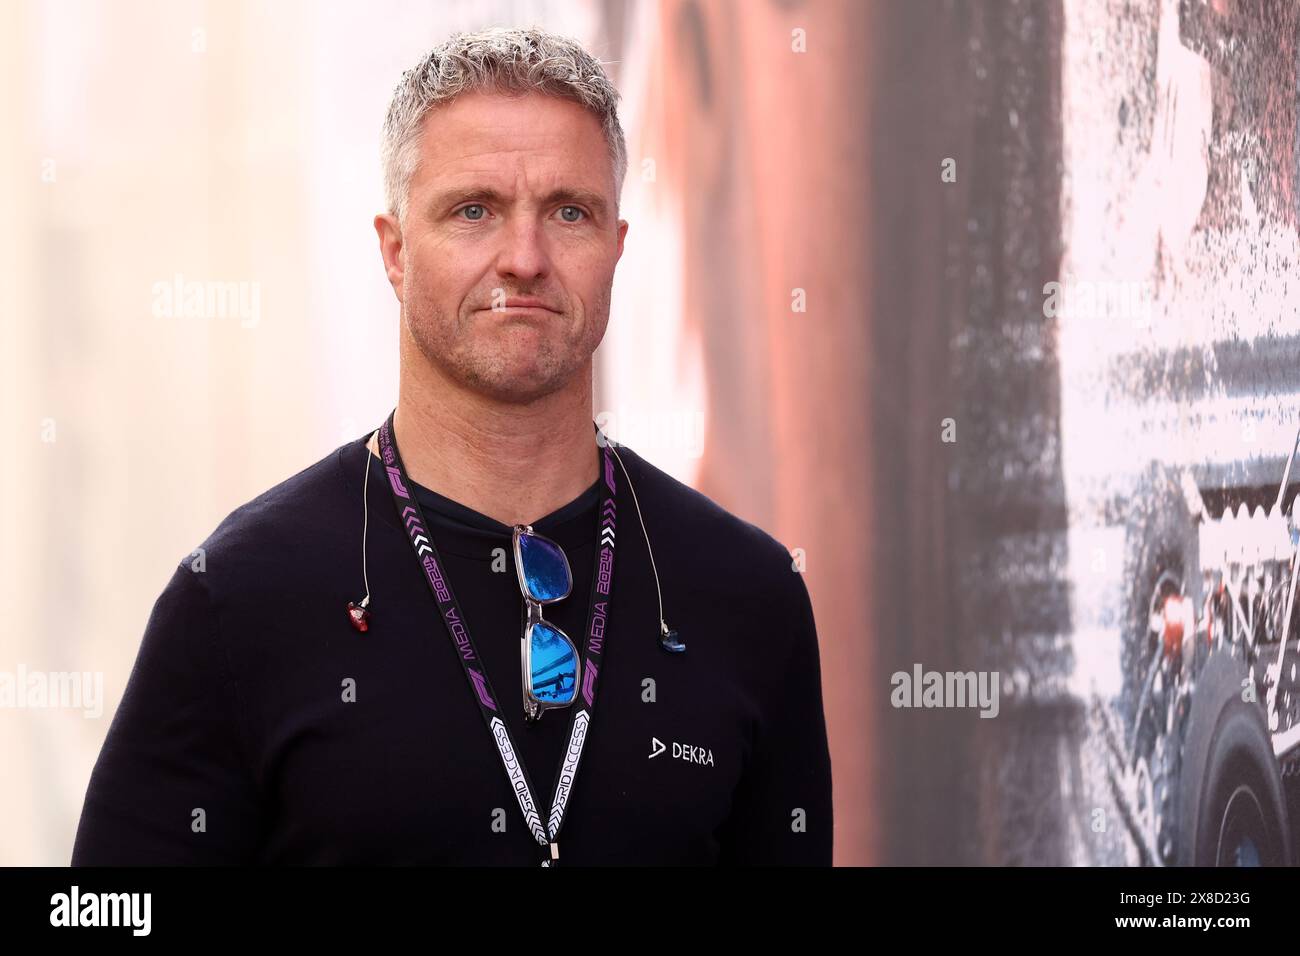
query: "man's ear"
390, 248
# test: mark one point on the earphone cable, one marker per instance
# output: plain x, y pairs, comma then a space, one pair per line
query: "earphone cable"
365, 524
663, 626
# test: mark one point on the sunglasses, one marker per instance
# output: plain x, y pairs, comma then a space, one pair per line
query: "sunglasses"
549, 657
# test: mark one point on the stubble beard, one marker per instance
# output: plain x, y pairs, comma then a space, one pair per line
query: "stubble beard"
488, 363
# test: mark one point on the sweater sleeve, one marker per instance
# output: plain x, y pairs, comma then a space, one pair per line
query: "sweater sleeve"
783, 813
171, 784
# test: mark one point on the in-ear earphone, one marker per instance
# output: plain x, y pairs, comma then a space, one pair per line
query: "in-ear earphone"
667, 638
359, 614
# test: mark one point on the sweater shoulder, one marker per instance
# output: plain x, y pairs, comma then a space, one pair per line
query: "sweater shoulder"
697, 532
283, 521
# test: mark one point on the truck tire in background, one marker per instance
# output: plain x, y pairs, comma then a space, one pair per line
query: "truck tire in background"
1232, 809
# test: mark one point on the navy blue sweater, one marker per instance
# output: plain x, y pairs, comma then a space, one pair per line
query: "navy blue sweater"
236, 740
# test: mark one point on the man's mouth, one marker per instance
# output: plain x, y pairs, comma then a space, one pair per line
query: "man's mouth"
521, 304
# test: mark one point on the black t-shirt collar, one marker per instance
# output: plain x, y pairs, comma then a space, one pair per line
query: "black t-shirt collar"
457, 528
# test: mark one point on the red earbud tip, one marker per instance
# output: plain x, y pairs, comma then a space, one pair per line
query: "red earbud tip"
359, 616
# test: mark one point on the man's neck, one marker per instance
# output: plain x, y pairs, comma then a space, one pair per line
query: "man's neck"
513, 463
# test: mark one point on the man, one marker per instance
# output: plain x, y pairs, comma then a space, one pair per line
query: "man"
341, 679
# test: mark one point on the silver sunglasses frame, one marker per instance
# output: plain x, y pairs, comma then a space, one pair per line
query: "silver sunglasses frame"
533, 707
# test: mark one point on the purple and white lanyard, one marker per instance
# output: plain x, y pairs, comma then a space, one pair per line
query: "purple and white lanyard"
581, 715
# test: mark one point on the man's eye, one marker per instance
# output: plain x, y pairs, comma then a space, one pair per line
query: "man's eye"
474, 206
574, 209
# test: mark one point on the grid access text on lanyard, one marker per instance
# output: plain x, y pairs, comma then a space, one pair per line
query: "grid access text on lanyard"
593, 640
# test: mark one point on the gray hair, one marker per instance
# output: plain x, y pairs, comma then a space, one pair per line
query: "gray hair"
498, 59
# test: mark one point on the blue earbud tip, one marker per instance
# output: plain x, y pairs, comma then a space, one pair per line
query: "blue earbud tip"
669, 642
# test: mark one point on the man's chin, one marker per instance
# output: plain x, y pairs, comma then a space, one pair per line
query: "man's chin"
520, 386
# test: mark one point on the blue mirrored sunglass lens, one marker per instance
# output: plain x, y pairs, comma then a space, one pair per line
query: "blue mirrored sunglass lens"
546, 572
554, 663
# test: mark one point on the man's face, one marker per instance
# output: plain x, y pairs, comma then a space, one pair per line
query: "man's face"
513, 199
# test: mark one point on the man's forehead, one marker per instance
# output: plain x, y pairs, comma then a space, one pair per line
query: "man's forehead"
518, 148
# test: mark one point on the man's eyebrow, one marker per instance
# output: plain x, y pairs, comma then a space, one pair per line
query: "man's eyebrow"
565, 194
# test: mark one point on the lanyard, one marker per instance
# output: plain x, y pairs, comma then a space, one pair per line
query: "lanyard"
581, 714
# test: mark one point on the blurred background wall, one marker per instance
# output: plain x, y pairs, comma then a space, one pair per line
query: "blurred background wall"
148, 144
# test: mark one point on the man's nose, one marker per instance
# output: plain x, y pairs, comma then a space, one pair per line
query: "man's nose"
523, 253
